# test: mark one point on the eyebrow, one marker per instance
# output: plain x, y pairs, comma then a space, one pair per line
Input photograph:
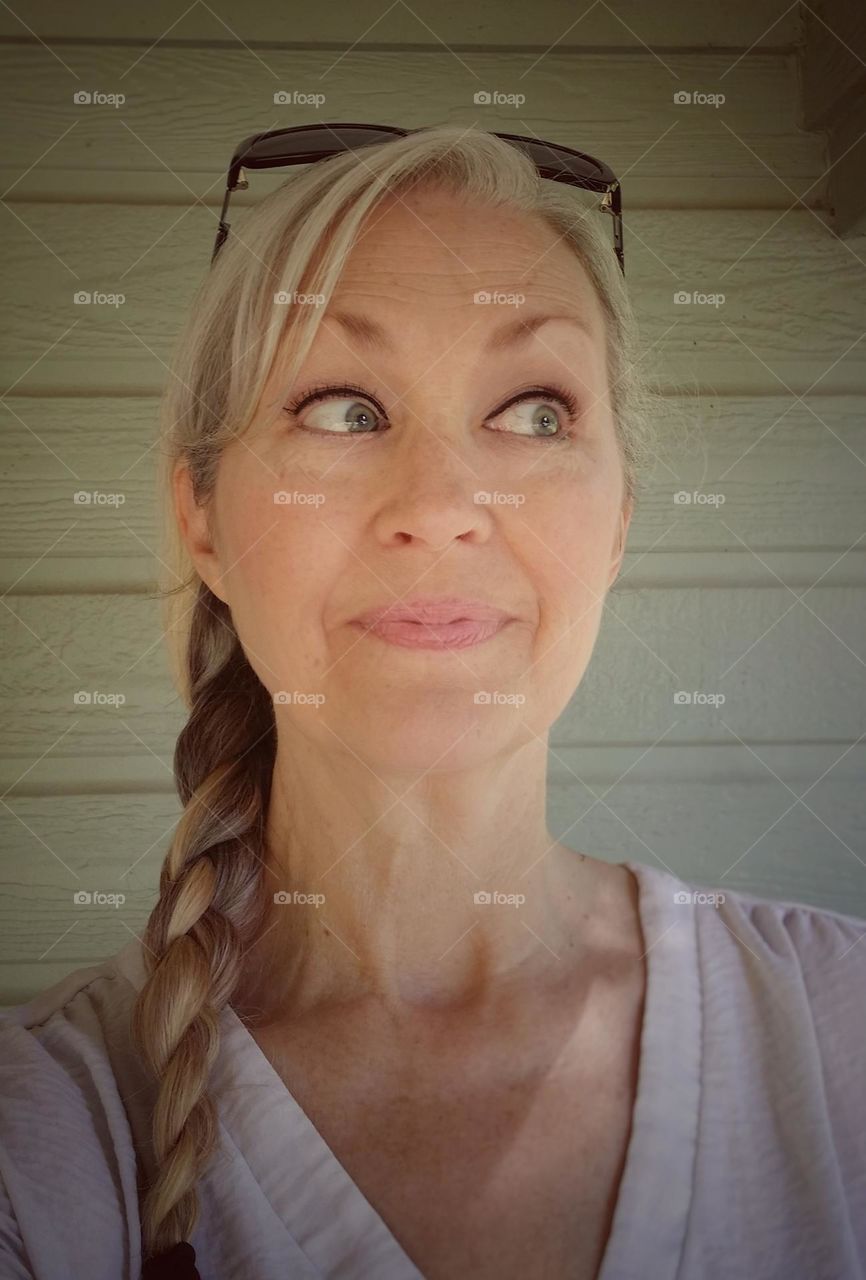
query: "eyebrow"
370, 333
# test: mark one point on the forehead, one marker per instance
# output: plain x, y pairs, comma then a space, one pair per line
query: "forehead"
432, 252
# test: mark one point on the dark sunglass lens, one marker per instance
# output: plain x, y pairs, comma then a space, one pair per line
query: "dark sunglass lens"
551, 157
295, 144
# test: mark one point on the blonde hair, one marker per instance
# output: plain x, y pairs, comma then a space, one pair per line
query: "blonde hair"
211, 891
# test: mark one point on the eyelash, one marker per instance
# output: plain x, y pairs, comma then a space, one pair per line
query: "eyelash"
557, 394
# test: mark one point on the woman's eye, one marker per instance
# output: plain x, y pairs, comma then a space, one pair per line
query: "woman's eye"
537, 418
340, 416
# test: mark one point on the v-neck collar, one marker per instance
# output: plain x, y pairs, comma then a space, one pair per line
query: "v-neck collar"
655, 1193
323, 1209
342, 1234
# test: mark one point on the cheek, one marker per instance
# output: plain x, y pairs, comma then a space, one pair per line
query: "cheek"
569, 531
286, 558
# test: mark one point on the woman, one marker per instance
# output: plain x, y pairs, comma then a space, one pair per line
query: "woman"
381, 1024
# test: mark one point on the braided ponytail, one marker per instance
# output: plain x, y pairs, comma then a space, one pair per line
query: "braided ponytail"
208, 912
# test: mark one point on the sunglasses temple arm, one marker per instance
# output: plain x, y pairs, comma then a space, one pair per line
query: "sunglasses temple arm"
615, 208
223, 228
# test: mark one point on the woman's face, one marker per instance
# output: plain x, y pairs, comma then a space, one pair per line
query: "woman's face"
415, 479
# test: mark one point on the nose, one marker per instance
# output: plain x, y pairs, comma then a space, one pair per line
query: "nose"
429, 494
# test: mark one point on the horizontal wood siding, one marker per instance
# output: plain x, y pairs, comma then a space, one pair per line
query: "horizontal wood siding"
756, 598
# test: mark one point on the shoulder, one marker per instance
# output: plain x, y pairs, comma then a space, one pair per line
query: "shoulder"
806, 968
791, 971
785, 981
73, 1112
775, 934
71, 1038
776, 989
823, 947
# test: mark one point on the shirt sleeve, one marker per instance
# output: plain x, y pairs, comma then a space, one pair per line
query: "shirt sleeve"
13, 1258
67, 1165
832, 951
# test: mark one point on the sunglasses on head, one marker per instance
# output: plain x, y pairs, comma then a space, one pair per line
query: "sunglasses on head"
307, 143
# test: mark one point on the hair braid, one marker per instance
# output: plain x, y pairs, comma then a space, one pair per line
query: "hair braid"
209, 909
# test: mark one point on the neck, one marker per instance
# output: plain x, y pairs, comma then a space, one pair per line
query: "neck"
428, 894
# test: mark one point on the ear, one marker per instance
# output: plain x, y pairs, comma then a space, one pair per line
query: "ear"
192, 521
622, 533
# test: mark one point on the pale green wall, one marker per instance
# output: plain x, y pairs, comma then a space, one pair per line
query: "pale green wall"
104, 198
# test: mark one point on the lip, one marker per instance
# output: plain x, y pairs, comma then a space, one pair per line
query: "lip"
434, 611
434, 622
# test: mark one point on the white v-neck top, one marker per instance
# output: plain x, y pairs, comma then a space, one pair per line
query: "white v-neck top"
747, 1154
